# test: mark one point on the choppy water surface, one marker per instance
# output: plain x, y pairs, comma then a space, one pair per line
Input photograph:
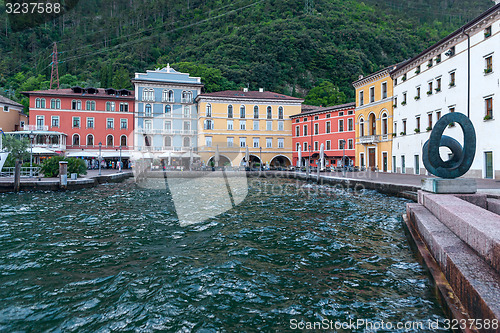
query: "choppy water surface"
114, 258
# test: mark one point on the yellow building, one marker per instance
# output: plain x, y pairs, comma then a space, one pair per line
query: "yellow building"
374, 111
12, 117
232, 121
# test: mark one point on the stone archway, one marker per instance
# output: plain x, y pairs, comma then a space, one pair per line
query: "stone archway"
280, 161
223, 161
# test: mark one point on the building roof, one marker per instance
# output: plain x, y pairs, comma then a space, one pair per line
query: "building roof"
84, 92
5, 100
363, 79
167, 75
448, 38
240, 94
325, 109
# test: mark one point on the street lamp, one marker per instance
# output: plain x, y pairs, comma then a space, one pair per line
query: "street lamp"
120, 166
343, 157
260, 148
31, 154
100, 156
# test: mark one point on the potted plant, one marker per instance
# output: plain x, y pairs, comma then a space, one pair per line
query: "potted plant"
452, 84
438, 90
429, 92
394, 105
417, 71
417, 98
488, 70
428, 128
402, 133
393, 135
404, 77
487, 117
403, 103
417, 130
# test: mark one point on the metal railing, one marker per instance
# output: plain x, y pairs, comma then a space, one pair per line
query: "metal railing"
25, 172
165, 131
369, 139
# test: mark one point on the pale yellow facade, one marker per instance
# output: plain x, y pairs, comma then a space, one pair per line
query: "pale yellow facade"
265, 128
374, 119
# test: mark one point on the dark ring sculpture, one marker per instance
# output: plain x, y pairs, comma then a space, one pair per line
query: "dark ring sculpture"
462, 159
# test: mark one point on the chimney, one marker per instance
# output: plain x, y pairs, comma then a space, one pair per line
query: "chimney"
261, 89
245, 89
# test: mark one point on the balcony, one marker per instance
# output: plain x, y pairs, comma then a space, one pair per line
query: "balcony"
36, 128
368, 139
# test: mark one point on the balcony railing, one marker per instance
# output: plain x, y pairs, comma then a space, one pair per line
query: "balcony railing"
369, 139
36, 128
165, 131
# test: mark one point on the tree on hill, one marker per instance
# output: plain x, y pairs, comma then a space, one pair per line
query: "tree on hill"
326, 94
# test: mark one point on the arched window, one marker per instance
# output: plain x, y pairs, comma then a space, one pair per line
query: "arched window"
168, 141
58, 103
90, 140
147, 111
269, 113
170, 95
147, 141
76, 140
109, 140
230, 111
209, 110
77, 105
148, 94
242, 111
186, 142
52, 103
384, 124
164, 96
209, 124
168, 108
361, 127
87, 105
256, 112
37, 103
42, 102
110, 106
187, 97
123, 141
373, 125
280, 112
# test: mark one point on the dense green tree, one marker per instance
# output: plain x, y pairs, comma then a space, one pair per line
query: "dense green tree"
121, 79
211, 77
17, 148
326, 94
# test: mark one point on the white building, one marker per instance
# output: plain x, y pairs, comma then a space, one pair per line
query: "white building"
436, 82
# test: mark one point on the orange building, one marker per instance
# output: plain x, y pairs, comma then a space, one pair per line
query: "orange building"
12, 117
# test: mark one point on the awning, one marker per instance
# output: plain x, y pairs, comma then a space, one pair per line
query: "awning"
42, 151
83, 154
168, 154
188, 155
115, 154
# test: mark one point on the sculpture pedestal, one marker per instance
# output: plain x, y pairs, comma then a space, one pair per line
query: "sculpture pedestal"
448, 186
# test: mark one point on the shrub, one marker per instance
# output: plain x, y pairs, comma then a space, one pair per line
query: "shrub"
50, 167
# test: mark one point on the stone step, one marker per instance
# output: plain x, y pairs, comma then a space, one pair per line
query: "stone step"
477, 227
494, 205
475, 282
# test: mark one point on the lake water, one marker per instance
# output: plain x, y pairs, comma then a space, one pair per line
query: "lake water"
115, 258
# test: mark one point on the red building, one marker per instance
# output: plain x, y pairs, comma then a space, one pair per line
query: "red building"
88, 116
332, 126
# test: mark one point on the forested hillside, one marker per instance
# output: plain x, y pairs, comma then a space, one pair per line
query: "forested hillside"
288, 46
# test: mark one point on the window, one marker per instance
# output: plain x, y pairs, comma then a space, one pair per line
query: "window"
187, 97
208, 125
417, 70
230, 142
147, 141
417, 96
168, 125
341, 144
90, 140
350, 144
384, 90
429, 121
208, 141
384, 124
76, 122
341, 125
208, 109
488, 64
77, 105
417, 120
168, 109
269, 113
361, 98
305, 130
55, 121
230, 111
297, 120
147, 111
438, 85
280, 112
297, 130
487, 32
91, 106
305, 119
187, 126
110, 106
361, 127
42, 103
404, 99
256, 142
123, 107
168, 96
328, 115
269, 125
305, 146
372, 94
404, 126
147, 124
243, 142
123, 141
242, 111
255, 125
256, 112
187, 111
52, 103
489, 108
350, 124
269, 142
317, 117
316, 129
452, 79
438, 58
281, 126
316, 145
429, 63
243, 125
230, 124
395, 102
186, 142
110, 123
123, 123
394, 128
90, 122
168, 141
297, 146
328, 145
362, 159
148, 95
403, 164
438, 115
38, 103
76, 140
328, 127
171, 96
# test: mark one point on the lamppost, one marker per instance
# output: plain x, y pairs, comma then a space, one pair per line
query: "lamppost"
31, 154
120, 165
100, 157
343, 157
261, 168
